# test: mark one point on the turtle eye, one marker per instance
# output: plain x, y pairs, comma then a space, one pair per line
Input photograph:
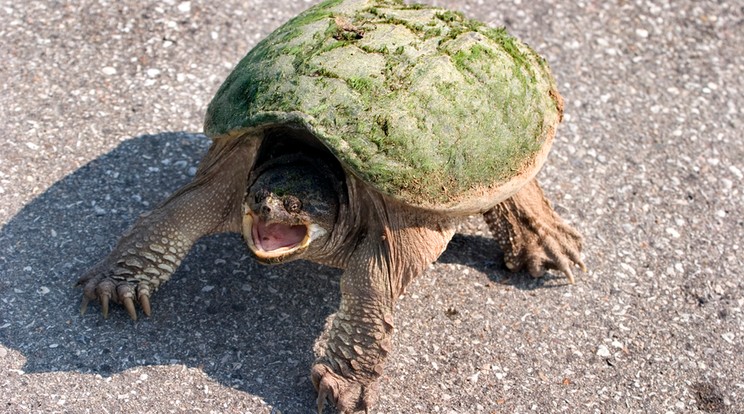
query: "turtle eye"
261, 195
292, 204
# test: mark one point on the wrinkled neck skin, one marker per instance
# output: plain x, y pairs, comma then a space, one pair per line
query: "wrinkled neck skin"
405, 240
348, 229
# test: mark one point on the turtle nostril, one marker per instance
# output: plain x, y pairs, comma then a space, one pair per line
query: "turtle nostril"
265, 210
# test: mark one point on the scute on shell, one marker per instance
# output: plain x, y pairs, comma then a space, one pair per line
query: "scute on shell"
426, 106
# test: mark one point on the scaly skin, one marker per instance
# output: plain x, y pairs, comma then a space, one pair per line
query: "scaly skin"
393, 245
148, 254
532, 236
382, 245
398, 243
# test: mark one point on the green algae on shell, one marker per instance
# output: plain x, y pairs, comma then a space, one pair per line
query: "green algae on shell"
426, 106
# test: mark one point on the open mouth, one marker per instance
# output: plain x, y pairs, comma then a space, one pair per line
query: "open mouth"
274, 240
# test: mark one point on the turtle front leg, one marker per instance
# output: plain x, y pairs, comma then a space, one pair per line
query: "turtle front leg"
532, 236
148, 254
358, 342
359, 336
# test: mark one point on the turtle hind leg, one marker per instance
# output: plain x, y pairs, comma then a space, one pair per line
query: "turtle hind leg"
533, 236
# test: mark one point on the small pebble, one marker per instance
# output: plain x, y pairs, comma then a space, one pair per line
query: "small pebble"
736, 171
603, 351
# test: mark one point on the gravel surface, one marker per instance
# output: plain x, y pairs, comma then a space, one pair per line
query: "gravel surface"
102, 103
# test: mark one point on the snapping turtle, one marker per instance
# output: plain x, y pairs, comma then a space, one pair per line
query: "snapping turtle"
357, 136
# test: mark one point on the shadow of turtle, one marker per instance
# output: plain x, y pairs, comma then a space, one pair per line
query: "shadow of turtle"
247, 326
484, 255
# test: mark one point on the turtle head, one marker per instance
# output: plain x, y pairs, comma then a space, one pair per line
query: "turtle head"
290, 208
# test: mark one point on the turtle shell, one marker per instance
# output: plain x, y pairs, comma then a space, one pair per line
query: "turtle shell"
426, 106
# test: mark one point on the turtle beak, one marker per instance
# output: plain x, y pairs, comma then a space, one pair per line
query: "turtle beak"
274, 242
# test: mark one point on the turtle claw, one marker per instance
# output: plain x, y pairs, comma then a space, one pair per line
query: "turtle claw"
129, 305
104, 305
565, 268
552, 252
84, 305
144, 301
105, 287
569, 275
348, 395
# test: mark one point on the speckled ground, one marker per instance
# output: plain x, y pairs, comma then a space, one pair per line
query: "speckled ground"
102, 103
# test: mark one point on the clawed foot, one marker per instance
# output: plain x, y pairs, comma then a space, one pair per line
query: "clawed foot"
532, 236
106, 287
544, 248
347, 395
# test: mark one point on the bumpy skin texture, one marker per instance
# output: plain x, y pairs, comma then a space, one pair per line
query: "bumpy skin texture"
532, 236
381, 243
147, 255
393, 245
405, 174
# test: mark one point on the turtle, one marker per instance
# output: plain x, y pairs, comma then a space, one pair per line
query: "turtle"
358, 135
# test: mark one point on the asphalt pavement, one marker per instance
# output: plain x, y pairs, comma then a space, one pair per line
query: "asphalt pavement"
102, 105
